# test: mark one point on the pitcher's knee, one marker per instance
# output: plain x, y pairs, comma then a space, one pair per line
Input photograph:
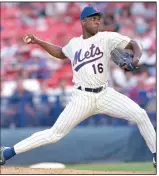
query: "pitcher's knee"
141, 116
49, 136
55, 136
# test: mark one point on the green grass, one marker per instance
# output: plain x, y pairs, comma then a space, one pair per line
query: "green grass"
144, 166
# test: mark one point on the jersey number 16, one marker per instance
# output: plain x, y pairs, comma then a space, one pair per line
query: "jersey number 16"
98, 68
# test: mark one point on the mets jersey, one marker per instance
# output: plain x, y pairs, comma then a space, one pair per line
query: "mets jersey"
90, 57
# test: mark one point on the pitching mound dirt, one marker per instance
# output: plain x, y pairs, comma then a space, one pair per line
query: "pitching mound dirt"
21, 170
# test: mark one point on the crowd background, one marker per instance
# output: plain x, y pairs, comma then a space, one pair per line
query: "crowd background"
35, 88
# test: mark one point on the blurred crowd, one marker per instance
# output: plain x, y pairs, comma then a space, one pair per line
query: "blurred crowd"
32, 69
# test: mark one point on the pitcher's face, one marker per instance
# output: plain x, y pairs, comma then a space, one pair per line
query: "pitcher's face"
91, 24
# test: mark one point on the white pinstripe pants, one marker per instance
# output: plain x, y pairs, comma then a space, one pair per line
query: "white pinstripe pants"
84, 104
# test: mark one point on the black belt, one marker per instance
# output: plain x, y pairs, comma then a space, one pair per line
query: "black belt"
95, 90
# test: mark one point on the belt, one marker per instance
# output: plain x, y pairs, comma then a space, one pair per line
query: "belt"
95, 90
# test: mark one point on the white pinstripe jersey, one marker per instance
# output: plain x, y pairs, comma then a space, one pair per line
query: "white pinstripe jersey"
90, 57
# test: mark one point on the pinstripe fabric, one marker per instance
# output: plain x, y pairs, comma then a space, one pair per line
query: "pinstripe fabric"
117, 105
84, 104
76, 51
80, 107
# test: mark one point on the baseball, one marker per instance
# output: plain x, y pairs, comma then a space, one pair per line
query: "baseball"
27, 39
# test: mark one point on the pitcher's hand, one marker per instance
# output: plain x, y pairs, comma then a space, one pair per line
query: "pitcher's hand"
30, 38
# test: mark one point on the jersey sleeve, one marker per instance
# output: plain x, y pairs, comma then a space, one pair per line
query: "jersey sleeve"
117, 40
67, 49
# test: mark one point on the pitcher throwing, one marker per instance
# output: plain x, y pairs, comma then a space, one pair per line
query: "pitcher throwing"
90, 56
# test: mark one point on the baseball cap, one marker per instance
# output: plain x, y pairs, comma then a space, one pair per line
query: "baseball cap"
88, 11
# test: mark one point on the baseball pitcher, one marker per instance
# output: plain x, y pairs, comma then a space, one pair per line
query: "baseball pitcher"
90, 55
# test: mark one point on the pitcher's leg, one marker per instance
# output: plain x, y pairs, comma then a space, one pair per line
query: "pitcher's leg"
73, 114
118, 105
81, 107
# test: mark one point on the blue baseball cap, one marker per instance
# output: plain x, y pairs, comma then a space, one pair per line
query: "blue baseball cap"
89, 11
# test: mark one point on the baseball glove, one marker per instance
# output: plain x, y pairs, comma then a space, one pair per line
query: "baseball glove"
123, 57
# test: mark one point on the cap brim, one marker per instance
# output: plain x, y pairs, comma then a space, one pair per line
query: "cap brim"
96, 13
